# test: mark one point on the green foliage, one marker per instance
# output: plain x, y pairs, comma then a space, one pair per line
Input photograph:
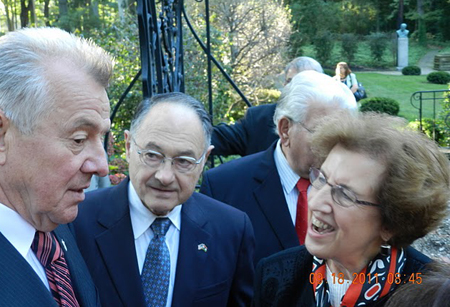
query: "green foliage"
121, 39
323, 44
411, 70
445, 118
377, 43
434, 129
381, 105
350, 43
439, 77
422, 32
329, 72
249, 39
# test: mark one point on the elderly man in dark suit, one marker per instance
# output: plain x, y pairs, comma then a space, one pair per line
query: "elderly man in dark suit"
204, 254
54, 112
267, 185
255, 132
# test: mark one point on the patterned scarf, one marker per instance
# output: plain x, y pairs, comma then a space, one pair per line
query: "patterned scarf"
361, 291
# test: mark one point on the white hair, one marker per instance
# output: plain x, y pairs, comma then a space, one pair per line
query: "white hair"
311, 87
303, 63
26, 94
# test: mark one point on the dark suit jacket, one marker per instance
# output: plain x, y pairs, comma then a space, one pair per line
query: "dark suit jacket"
21, 287
283, 279
252, 184
253, 133
222, 276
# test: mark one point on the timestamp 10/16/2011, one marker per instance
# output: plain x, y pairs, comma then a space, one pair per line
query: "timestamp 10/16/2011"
362, 278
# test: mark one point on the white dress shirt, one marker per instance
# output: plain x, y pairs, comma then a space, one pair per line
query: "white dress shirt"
288, 179
141, 220
20, 234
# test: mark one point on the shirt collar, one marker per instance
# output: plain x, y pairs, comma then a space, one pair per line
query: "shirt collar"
142, 218
288, 177
16, 229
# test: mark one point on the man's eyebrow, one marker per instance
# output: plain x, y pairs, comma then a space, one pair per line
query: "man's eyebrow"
83, 123
154, 146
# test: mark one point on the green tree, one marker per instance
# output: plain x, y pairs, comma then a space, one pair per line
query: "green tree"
249, 39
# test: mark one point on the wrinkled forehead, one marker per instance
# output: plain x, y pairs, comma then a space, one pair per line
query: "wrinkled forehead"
172, 124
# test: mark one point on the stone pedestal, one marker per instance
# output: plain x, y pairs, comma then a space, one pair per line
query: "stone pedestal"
402, 52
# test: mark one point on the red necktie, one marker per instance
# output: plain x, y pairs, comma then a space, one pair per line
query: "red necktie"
51, 256
301, 219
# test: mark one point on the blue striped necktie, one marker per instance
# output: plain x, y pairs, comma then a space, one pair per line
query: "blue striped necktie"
156, 271
50, 255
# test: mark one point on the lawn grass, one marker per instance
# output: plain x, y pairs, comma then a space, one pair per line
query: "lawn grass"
400, 88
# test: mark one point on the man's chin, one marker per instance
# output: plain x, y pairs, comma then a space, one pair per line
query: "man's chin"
161, 210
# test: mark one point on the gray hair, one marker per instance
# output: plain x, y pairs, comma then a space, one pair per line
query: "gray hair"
175, 98
311, 87
26, 95
303, 63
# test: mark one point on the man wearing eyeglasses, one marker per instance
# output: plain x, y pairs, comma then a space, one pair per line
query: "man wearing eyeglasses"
153, 241
271, 186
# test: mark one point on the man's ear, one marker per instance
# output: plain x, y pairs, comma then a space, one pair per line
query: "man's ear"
127, 136
208, 152
4, 128
284, 125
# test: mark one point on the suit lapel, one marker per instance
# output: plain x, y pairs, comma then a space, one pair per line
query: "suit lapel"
270, 197
16, 274
82, 283
189, 271
116, 245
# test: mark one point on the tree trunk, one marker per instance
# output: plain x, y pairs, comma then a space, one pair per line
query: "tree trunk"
32, 10
421, 23
63, 9
9, 20
121, 5
94, 9
47, 12
400, 13
23, 14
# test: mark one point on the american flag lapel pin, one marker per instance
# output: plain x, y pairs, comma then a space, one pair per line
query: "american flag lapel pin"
202, 247
64, 244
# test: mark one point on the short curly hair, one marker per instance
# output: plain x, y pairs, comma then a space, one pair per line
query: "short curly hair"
414, 191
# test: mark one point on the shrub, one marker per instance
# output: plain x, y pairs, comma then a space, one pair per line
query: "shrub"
329, 72
350, 45
377, 43
380, 105
323, 45
411, 70
434, 129
439, 77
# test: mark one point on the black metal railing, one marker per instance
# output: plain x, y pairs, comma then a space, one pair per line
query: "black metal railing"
421, 98
161, 45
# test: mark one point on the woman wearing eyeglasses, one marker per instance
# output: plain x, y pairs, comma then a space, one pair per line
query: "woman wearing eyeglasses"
379, 188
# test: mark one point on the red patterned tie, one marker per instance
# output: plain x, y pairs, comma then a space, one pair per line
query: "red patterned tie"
51, 256
301, 219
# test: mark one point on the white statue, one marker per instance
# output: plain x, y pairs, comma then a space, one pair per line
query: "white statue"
402, 32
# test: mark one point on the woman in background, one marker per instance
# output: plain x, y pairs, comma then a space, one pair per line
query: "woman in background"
344, 74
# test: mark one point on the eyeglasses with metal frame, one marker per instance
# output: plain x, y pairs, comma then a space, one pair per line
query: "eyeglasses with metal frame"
153, 159
341, 195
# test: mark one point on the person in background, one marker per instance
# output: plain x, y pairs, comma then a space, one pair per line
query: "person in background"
271, 186
255, 132
54, 113
379, 188
152, 240
344, 74
431, 290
